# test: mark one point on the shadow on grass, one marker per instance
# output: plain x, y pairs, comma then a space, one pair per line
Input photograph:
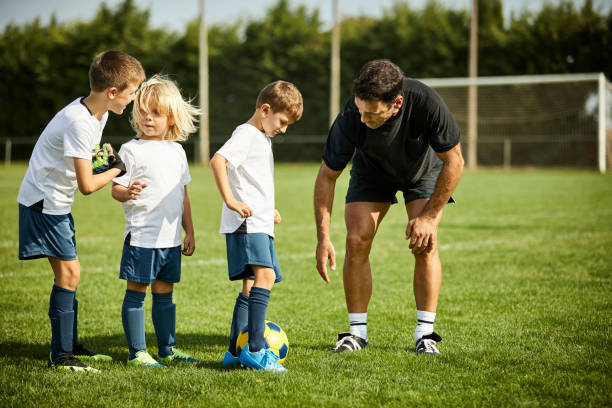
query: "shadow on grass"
115, 346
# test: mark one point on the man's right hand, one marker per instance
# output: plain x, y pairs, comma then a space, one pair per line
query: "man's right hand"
325, 252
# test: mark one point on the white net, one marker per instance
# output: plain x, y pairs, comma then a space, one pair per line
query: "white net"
549, 120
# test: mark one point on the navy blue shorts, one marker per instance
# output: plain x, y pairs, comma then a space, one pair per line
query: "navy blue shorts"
363, 189
250, 249
145, 265
42, 235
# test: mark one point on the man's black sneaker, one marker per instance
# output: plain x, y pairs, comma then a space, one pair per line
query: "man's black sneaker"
68, 362
427, 344
84, 354
348, 342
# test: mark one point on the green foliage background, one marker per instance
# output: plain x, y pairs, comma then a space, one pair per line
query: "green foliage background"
44, 67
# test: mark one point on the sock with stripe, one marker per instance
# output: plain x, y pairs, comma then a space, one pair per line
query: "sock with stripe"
425, 324
359, 324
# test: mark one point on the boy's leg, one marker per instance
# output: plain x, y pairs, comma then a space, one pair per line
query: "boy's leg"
132, 316
164, 317
61, 304
240, 317
258, 304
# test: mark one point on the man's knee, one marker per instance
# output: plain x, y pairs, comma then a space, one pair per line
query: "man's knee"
357, 245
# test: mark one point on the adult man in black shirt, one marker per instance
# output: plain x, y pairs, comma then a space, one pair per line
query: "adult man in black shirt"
401, 136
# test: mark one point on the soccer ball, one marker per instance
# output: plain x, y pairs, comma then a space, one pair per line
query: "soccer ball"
276, 340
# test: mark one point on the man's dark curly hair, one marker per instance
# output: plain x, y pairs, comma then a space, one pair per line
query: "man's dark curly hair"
378, 80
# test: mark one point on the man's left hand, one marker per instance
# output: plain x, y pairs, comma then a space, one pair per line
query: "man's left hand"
422, 232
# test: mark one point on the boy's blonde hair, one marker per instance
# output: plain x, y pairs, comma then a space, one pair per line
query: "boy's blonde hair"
114, 69
282, 96
163, 95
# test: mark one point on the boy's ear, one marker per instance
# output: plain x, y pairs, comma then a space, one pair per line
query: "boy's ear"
111, 92
265, 108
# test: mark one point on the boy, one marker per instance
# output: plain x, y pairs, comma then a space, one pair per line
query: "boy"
60, 163
244, 172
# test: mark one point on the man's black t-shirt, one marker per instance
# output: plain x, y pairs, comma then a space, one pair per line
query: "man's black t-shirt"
401, 151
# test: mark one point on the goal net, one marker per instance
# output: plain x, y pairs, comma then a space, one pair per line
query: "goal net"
542, 120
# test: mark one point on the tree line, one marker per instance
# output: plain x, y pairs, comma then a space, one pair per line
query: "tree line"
44, 66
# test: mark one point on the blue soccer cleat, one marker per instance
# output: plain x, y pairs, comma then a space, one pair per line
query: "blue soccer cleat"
262, 360
229, 360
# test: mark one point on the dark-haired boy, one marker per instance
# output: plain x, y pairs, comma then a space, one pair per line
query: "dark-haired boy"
60, 163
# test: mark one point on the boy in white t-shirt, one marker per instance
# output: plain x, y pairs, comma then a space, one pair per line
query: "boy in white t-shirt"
244, 172
60, 163
156, 205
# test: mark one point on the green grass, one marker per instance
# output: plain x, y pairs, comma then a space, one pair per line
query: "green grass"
525, 308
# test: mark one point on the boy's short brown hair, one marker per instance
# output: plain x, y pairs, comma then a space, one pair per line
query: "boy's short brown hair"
114, 69
282, 96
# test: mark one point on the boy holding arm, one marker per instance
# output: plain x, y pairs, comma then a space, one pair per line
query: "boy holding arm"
244, 172
60, 163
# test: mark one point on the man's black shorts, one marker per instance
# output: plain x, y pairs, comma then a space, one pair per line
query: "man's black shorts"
377, 191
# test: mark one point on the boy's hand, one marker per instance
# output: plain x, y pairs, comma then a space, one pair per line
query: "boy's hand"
240, 207
188, 245
135, 189
277, 216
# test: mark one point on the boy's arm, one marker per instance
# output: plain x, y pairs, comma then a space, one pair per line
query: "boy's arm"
89, 182
187, 222
122, 193
219, 169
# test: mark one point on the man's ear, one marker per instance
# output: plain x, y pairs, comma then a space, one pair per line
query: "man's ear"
397, 103
111, 92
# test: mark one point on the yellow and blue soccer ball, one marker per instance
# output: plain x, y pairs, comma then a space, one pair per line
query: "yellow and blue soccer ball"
276, 340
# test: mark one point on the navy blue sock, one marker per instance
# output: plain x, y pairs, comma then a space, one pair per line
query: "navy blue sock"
132, 316
62, 320
75, 327
240, 319
164, 321
258, 303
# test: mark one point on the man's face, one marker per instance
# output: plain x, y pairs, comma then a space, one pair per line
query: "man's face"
375, 113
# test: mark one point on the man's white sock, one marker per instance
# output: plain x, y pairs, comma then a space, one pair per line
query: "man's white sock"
425, 324
359, 325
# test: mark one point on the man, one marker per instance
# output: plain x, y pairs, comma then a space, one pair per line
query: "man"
401, 136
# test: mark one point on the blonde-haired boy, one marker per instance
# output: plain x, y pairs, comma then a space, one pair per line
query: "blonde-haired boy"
156, 204
244, 172
60, 163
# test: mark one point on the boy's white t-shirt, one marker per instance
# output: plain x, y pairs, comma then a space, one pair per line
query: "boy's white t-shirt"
73, 132
154, 219
250, 172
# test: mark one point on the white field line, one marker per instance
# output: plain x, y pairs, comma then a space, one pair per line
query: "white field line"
193, 262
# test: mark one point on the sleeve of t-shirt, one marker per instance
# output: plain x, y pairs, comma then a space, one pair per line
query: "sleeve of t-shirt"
128, 160
340, 144
440, 125
186, 177
78, 140
236, 149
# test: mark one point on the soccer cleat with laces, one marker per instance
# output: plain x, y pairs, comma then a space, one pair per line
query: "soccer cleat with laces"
80, 352
180, 356
230, 360
144, 359
427, 344
348, 342
264, 360
68, 362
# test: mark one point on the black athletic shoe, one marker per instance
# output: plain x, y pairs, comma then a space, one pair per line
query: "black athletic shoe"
69, 362
348, 342
80, 352
427, 344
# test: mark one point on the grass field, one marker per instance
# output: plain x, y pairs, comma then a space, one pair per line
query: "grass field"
525, 308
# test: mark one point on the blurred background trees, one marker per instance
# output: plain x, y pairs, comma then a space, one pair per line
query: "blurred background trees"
45, 67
